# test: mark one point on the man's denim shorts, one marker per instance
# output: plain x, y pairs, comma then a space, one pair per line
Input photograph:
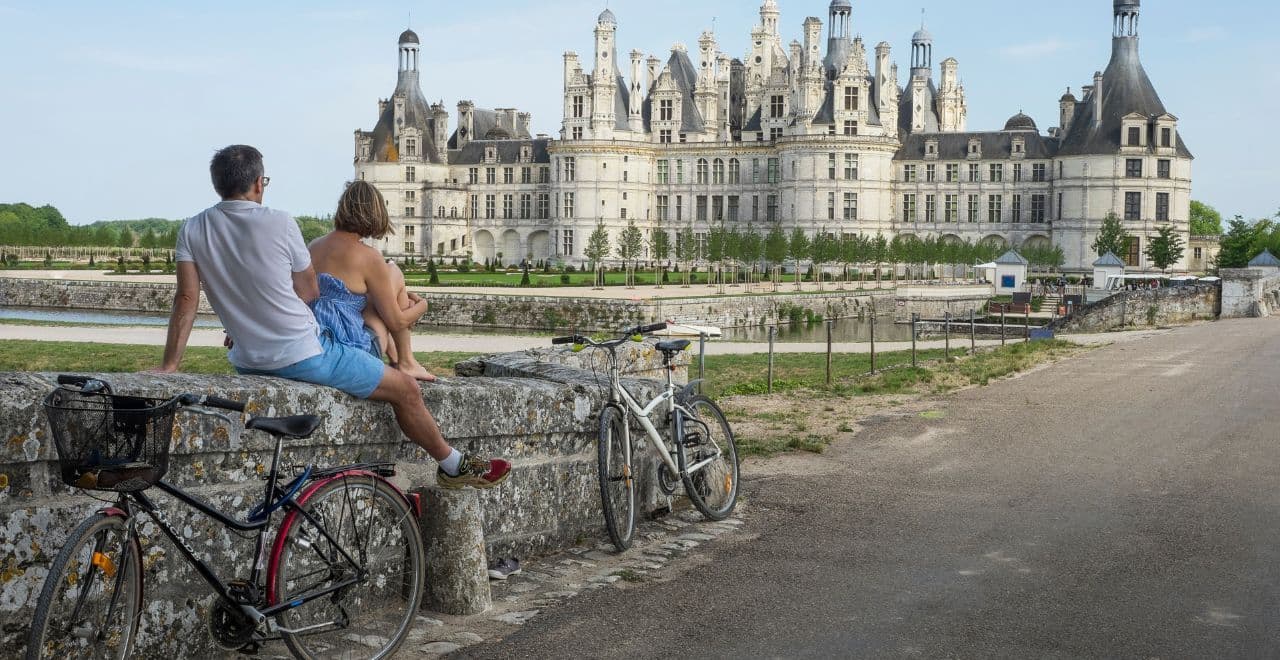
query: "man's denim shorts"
351, 370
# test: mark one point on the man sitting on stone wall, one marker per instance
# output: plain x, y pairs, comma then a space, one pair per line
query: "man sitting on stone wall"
257, 274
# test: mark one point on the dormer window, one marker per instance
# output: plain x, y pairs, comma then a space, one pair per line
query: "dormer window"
526, 154
1135, 136
931, 149
411, 147
491, 154
851, 99
1166, 137
975, 148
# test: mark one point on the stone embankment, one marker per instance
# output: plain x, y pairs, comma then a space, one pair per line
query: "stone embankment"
1145, 309
543, 312
538, 409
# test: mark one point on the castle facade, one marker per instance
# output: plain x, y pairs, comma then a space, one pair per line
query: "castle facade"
820, 133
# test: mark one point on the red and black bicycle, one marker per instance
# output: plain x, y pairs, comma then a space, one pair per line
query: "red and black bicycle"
341, 577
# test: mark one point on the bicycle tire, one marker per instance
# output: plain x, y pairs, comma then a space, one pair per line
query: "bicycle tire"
378, 611
111, 562
617, 483
713, 489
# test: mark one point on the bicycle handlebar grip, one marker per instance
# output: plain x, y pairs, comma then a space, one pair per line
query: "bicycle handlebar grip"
225, 404
646, 329
85, 384
562, 340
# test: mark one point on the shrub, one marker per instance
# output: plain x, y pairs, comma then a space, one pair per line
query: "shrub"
564, 278
464, 267
48, 260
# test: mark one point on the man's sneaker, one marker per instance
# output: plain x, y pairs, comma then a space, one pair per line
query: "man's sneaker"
503, 568
475, 472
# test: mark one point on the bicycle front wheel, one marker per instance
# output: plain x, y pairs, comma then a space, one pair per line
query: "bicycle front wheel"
369, 520
617, 485
710, 460
91, 599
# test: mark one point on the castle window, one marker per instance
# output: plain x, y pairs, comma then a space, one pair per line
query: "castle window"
577, 133
1166, 137
490, 175
777, 106
410, 195
508, 175
410, 147
508, 207
831, 206
773, 170
771, 208
974, 209
475, 206
733, 208
410, 231
930, 173
952, 209
666, 110
717, 208
440, 213
453, 212
544, 175
544, 206
409, 212
664, 173
577, 107
1038, 172
570, 169
909, 208
1162, 169
831, 167
566, 246
930, 208
755, 170
410, 174
1133, 206
851, 206
953, 172
851, 128
664, 203
700, 208
664, 136
490, 154
1135, 136
975, 173
362, 176
1016, 211
490, 207
1039, 208
410, 247
997, 173
1162, 207
568, 206
909, 173
851, 167
1017, 172
850, 99
679, 171
473, 175
735, 171
775, 133
526, 175
994, 210
1133, 168
683, 138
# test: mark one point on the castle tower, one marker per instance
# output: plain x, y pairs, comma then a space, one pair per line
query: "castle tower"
409, 46
838, 36
921, 85
769, 17
604, 80
1125, 23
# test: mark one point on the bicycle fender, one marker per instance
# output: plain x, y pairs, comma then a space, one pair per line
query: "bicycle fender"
688, 390
277, 546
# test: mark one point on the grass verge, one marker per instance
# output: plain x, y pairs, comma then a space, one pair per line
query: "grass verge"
66, 357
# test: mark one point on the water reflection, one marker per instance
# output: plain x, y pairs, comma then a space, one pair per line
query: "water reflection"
844, 331
96, 318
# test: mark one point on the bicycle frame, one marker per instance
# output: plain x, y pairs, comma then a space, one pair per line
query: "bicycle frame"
128, 501
620, 396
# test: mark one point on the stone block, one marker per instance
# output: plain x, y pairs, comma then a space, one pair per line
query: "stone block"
454, 539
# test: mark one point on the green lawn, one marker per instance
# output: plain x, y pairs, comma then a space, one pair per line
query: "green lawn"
65, 357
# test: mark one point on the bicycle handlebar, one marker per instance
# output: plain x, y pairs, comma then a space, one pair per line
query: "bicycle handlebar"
623, 336
211, 401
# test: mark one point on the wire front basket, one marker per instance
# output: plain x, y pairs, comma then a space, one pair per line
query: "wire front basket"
109, 442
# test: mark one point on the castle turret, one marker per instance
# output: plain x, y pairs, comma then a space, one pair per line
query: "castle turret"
838, 37
604, 79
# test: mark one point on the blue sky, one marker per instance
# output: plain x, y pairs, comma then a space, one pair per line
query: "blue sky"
112, 110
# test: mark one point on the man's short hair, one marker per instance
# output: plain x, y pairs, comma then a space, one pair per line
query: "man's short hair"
235, 169
362, 211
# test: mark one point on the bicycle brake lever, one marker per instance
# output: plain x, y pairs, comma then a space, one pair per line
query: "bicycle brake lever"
206, 412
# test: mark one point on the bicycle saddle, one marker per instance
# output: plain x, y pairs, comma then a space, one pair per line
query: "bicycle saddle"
300, 426
673, 346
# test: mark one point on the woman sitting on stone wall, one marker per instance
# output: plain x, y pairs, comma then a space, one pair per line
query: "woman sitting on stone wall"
363, 300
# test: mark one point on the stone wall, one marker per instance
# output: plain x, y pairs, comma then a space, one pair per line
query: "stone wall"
1250, 292
1143, 309
540, 415
491, 310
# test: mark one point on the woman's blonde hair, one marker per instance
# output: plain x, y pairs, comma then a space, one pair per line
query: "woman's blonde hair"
362, 211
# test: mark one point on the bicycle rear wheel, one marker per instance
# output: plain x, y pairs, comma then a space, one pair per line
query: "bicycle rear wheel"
91, 599
372, 522
709, 460
617, 485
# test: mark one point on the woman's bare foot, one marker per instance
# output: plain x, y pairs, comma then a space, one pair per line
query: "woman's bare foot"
416, 370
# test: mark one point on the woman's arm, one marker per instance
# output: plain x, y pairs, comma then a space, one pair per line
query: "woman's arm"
382, 295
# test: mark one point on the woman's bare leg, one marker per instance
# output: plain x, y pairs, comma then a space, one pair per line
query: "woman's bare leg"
403, 339
379, 329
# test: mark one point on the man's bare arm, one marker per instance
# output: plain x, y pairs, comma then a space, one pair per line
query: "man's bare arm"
186, 303
306, 285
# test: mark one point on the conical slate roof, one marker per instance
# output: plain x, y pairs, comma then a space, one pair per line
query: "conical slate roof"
1265, 260
1109, 260
1126, 89
1012, 258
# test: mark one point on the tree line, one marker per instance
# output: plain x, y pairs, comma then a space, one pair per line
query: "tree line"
732, 247
23, 225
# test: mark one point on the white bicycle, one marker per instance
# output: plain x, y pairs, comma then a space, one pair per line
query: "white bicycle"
696, 446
